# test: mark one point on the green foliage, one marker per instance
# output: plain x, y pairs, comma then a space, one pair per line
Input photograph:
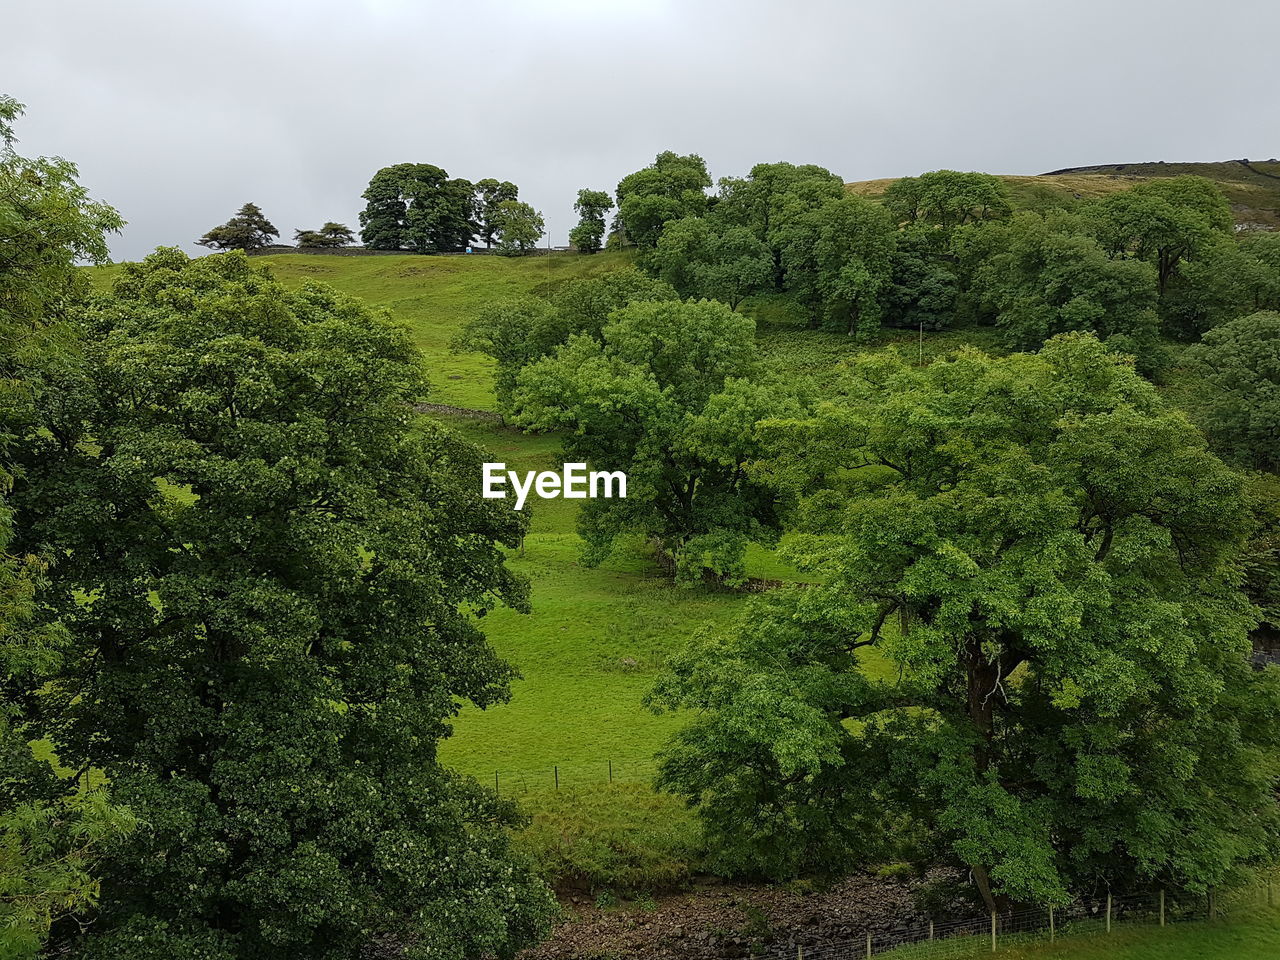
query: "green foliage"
1262, 552
516, 332
1041, 276
770, 200
518, 227
490, 196
1240, 412
51, 829
1164, 222
706, 259
670, 188
416, 206
270, 579
591, 207
923, 286
1073, 708
665, 398
945, 199
330, 235
838, 260
249, 229
1228, 280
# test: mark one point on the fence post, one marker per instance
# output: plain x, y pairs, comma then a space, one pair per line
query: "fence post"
799, 953
495, 781
930, 929
868, 943
993, 931
611, 770
556, 769
1108, 911
1162, 908
1052, 931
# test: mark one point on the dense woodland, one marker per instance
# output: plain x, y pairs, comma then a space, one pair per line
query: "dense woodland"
245, 586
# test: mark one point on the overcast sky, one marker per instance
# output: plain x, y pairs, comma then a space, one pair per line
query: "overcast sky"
179, 111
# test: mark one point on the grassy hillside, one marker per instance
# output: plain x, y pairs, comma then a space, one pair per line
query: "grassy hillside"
433, 297
1251, 187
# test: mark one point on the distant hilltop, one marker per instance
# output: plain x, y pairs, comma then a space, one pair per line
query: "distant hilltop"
1252, 187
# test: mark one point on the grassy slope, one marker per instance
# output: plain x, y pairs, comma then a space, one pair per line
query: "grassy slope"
434, 297
1254, 936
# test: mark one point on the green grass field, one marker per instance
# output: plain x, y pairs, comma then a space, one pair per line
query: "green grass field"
1251, 936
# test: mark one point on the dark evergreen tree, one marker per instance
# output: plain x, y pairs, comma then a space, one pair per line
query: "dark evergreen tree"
247, 230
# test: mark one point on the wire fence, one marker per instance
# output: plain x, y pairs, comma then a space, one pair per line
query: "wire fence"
993, 933
565, 776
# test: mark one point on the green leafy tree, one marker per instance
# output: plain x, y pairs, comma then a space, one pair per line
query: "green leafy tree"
670, 188
249, 229
53, 824
705, 258
839, 262
516, 332
416, 206
923, 286
518, 226
1262, 557
946, 199
591, 206
1048, 560
770, 200
664, 397
1041, 276
330, 235
1238, 364
272, 578
490, 195
1228, 280
1164, 221
382, 221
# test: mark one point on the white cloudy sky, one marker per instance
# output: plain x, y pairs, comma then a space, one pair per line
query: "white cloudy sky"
178, 111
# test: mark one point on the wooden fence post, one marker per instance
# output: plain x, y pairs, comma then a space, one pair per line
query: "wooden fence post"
930, 929
1108, 911
1052, 931
868, 943
495, 781
1162, 908
557, 773
993, 931
611, 770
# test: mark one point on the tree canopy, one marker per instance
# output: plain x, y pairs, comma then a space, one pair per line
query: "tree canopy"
1049, 561
416, 206
1239, 366
663, 396
491, 194
591, 206
249, 229
53, 829
330, 235
271, 579
519, 227
670, 188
